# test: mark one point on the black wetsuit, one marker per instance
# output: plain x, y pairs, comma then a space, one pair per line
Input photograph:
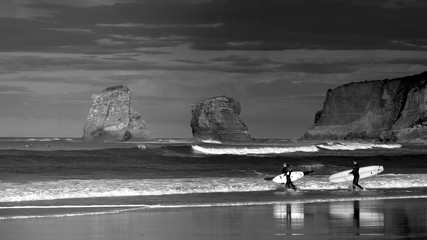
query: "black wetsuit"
356, 175
289, 183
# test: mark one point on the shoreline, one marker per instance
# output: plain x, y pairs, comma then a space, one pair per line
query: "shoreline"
209, 200
323, 220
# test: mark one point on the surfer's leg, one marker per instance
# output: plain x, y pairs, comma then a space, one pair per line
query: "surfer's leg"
356, 184
293, 186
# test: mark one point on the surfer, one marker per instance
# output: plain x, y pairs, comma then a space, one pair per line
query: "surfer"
287, 170
356, 175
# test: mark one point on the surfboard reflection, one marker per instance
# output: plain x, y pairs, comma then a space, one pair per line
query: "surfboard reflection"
290, 215
359, 217
359, 214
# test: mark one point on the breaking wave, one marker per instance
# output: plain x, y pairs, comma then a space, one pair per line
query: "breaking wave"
263, 150
72, 189
351, 146
211, 141
253, 150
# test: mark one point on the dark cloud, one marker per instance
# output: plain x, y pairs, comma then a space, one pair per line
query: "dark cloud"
323, 68
49, 7
26, 34
271, 24
189, 61
275, 66
243, 61
13, 89
223, 25
411, 61
40, 106
286, 88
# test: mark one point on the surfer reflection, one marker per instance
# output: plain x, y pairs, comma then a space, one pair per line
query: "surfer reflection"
356, 175
356, 215
287, 170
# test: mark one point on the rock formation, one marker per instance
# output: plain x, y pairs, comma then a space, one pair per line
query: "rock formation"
384, 110
111, 117
218, 118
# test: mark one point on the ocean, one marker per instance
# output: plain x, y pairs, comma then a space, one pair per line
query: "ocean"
65, 177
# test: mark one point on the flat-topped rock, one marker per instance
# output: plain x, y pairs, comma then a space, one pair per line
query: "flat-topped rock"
112, 118
218, 118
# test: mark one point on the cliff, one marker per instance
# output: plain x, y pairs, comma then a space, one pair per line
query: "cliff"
111, 117
218, 118
384, 110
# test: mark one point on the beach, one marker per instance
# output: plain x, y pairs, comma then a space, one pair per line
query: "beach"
368, 219
68, 189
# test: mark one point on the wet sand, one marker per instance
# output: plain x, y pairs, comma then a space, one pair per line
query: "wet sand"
376, 219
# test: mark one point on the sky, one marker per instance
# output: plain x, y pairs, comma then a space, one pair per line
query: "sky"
278, 58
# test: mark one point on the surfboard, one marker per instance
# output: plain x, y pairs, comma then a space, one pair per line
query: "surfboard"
282, 177
364, 172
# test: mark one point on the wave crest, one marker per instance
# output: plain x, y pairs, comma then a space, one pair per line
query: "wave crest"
351, 146
253, 150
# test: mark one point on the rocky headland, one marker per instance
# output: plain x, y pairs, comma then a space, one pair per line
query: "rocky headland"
391, 110
218, 119
111, 117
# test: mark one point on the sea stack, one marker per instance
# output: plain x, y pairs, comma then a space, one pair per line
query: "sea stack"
111, 117
391, 110
218, 119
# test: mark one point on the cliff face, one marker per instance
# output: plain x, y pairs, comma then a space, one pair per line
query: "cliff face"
218, 118
385, 110
111, 117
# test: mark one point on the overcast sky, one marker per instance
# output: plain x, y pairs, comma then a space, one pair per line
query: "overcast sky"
277, 57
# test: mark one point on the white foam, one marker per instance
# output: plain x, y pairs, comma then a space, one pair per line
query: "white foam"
211, 141
351, 146
253, 151
66, 214
70, 189
77, 206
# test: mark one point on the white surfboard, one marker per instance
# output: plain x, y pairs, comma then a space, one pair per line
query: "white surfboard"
364, 172
294, 176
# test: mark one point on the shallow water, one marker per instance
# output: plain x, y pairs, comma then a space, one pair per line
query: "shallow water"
370, 219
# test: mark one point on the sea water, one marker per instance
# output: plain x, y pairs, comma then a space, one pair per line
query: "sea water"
55, 177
